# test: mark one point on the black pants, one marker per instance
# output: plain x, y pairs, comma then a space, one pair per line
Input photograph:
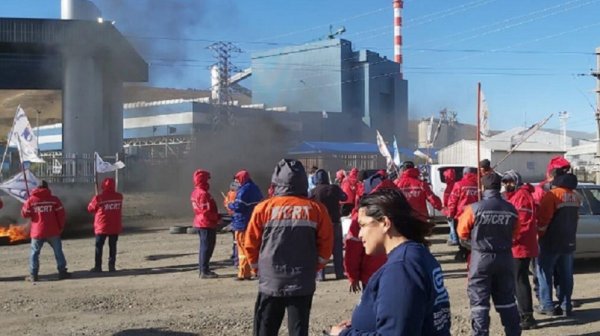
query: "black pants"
522, 285
269, 310
338, 253
208, 239
112, 250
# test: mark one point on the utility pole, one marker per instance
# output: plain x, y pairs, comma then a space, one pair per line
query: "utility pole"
223, 69
597, 75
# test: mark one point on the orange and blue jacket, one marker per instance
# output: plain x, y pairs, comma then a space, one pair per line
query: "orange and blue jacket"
288, 239
558, 215
489, 225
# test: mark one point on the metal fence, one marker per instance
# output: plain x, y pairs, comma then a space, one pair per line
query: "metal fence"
67, 168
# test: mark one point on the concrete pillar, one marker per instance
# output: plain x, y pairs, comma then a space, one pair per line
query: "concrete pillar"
113, 114
83, 122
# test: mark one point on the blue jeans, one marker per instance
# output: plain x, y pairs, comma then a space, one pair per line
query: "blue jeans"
563, 264
453, 234
208, 239
36, 248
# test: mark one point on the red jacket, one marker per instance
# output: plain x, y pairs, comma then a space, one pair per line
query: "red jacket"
450, 179
540, 190
525, 244
357, 264
349, 185
46, 212
463, 193
417, 192
206, 214
107, 208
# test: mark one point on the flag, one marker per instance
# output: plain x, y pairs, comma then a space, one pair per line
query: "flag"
105, 167
397, 161
384, 151
16, 188
430, 132
22, 136
483, 117
422, 155
520, 137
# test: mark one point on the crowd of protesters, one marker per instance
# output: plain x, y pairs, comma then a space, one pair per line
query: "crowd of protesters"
501, 226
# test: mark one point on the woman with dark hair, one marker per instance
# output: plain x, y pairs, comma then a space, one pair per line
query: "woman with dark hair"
406, 296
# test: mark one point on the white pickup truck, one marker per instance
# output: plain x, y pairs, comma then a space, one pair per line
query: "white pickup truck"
435, 175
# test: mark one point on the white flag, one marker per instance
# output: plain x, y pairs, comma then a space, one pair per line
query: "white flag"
56, 167
520, 137
397, 161
105, 167
383, 149
23, 137
483, 117
15, 186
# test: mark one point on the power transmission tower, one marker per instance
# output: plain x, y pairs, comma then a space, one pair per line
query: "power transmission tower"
223, 52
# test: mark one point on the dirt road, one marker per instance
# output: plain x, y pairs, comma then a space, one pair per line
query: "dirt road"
157, 292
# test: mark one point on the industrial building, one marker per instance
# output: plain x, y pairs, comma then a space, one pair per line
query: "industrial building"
329, 77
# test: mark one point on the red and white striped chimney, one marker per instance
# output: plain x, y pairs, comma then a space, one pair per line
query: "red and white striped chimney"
398, 4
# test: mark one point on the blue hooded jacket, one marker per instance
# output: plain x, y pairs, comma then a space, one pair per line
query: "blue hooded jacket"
246, 198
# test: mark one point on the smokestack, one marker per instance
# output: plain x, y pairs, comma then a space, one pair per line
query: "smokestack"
398, 4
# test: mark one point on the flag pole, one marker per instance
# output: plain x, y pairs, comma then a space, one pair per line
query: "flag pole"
478, 139
10, 135
22, 166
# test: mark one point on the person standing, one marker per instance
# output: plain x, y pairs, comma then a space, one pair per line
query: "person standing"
360, 266
107, 223
450, 180
557, 228
331, 195
525, 245
288, 239
206, 220
229, 198
417, 192
247, 197
47, 216
349, 185
488, 227
463, 193
406, 296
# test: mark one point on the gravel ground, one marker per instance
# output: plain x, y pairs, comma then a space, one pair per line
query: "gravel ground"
157, 291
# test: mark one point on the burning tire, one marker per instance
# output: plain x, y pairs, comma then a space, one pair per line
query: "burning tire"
178, 229
192, 230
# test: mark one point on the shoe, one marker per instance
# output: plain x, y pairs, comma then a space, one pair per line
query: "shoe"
209, 275
239, 279
575, 303
32, 278
548, 312
565, 312
64, 275
528, 322
96, 270
112, 269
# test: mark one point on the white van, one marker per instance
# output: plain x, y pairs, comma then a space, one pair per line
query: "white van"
435, 176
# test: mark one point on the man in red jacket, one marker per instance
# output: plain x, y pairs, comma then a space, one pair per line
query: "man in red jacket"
47, 223
107, 223
417, 192
349, 186
463, 193
450, 180
358, 265
525, 245
206, 220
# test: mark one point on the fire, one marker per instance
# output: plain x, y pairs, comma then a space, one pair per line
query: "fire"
16, 233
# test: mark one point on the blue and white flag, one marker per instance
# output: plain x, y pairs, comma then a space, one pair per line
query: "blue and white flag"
16, 187
397, 161
22, 136
106, 167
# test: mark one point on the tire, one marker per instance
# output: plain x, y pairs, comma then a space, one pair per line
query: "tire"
192, 230
178, 229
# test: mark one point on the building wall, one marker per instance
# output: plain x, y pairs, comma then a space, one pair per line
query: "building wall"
462, 152
304, 78
531, 165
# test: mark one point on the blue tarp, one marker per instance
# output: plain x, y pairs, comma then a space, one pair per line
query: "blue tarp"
322, 147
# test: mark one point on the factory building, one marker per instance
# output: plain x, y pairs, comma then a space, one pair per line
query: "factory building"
329, 77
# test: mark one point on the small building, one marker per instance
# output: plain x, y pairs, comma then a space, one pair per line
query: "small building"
530, 159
